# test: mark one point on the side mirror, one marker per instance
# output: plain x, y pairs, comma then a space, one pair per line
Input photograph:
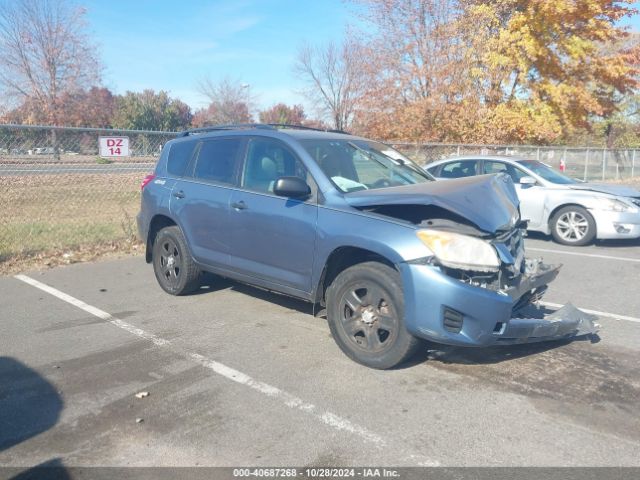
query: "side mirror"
528, 181
291, 187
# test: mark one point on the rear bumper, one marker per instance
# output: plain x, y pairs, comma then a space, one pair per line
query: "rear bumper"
488, 317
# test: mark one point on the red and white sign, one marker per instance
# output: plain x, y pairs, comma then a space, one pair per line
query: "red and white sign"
114, 146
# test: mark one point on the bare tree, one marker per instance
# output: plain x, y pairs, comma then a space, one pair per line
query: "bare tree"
45, 53
334, 77
230, 100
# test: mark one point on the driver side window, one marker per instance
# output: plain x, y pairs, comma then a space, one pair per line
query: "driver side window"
500, 167
267, 160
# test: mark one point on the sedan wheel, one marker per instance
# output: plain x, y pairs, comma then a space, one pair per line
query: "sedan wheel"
573, 225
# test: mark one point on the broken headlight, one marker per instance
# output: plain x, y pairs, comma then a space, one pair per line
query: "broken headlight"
460, 251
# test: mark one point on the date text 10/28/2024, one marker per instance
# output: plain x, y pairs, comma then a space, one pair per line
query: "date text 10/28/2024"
316, 472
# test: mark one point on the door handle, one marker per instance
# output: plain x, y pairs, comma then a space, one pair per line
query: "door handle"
178, 194
239, 205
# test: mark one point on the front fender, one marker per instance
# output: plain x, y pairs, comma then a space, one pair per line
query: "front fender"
338, 228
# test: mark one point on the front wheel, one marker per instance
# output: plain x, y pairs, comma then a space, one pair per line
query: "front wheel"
365, 310
573, 225
175, 270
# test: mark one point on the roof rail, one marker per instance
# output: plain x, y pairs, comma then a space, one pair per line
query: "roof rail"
304, 127
266, 126
231, 126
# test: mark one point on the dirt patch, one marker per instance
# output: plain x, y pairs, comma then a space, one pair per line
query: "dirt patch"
589, 384
578, 371
65, 256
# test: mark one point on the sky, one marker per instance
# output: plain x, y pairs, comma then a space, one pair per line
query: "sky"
171, 45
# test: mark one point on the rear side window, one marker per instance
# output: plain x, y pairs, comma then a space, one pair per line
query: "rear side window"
463, 168
217, 160
179, 156
500, 167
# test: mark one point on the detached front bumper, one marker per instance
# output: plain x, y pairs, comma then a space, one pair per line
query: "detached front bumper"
446, 310
566, 322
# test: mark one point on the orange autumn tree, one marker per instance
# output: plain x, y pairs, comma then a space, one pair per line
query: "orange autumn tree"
554, 72
499, 71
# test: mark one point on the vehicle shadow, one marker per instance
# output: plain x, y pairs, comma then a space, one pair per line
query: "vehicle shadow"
493, 355
281, 300
212, 283
29, 404
51, 470
431, 351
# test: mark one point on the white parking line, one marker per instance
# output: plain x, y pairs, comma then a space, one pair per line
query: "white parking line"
328, 418
615, 316
578, 254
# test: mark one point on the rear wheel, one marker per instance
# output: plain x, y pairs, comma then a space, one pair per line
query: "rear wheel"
573, 225
175, 270
365, 309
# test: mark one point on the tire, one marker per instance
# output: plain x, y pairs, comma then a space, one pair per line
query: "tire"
365, 310
173, 265
573, 225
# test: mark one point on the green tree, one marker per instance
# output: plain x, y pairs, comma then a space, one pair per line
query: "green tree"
149, 110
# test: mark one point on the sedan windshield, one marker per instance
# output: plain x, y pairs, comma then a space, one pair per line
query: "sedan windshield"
362, 165
546, 172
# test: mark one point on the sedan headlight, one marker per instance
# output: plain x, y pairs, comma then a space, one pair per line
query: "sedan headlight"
460, 251
614, 205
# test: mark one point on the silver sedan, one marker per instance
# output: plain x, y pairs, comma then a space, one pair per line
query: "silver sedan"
573, 212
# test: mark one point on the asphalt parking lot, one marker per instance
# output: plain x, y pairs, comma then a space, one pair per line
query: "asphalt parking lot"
237, 376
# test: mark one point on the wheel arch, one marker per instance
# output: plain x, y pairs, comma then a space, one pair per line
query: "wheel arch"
342, 258
158, 222
557, 208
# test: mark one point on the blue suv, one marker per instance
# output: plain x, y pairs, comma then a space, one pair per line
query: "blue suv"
356, 227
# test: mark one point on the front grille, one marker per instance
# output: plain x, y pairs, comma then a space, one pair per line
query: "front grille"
516, 248
513, 242
452, 320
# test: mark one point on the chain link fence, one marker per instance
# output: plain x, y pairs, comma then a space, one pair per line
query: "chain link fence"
59, 194
583, 163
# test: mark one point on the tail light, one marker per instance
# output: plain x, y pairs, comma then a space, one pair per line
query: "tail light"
147, 179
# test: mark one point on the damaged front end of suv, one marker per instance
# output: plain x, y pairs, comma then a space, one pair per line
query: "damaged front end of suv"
486, 291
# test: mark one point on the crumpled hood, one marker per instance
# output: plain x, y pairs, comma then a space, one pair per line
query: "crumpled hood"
488, 201
617, 190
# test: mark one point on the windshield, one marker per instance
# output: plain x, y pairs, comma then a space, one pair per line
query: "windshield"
546, 172
354, 165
